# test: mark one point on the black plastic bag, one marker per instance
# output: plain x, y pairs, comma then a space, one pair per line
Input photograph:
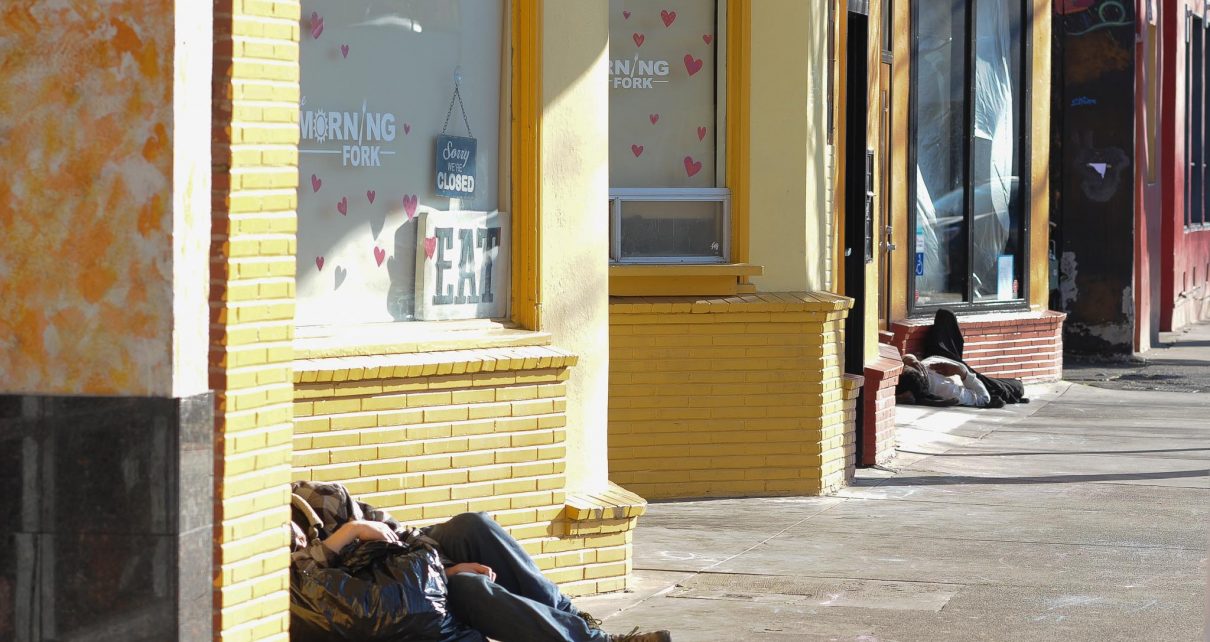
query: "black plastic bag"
383, 591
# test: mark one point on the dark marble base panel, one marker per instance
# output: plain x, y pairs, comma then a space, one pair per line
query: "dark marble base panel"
107, 529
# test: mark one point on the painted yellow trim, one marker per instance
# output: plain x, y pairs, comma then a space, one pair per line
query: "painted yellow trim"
898, 163
1039, 209
678, 280
839, 137
739, 56
656, 285
728, 269
526, 162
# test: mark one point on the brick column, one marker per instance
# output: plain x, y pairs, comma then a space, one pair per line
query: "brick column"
255, 160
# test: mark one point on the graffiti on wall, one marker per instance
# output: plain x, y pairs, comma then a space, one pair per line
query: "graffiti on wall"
1099, 168
1081, 17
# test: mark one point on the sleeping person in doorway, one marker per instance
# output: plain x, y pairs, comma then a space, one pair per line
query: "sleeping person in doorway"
937, 381
357, 574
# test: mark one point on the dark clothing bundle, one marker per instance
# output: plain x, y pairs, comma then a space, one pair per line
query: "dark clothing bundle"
944, 339
396, 591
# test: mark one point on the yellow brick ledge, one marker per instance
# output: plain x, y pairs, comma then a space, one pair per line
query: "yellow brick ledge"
818, 302
371, 339
479, 361
596, 550
612, 503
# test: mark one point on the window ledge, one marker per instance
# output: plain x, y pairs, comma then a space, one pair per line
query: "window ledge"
398, 338
680, 279
477, 366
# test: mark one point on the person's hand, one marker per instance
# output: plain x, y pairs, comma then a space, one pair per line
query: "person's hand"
362, 529
371, 531
471, 567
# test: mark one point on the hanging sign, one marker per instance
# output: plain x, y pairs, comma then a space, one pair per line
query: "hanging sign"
455, 166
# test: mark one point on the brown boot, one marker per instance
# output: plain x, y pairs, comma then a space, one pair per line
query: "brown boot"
635, 636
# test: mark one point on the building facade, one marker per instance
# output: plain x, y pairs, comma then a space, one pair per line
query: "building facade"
249, 297
1130, 248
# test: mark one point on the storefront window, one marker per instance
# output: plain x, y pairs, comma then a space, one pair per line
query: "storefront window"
399, 166
967, 103
668, 201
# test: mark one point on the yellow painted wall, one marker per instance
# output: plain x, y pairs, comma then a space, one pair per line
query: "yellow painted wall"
788, 177
730, 396
574, 235
87, 204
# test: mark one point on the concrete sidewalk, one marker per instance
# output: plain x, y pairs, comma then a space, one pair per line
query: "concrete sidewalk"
1081, 516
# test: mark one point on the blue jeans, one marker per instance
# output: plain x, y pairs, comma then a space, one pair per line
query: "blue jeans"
521, 605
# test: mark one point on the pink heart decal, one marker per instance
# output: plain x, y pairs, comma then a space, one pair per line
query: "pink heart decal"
638, 39
707, 38
317, 25
409, 205
654, 118
626, 15
319, 263
344, 51
370, 194
668, 17
316, 183
343, 206
380, 255
701, 133
637, 150
430, 246
407, 129
692, 65
692, 167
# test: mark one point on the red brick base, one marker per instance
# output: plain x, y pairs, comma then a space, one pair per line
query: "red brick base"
1021, 345
878, 406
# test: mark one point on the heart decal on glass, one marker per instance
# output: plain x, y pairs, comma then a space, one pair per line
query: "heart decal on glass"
316, 183
370, 194
654, 118
407, 129
692, 65
342, 206
380, 255
701, 133
344, 51
707, 38
430, 246
692, 167
626, 15
317, 25
637, 150
319, 263
638, 39
668, 17
339, 277
409, 205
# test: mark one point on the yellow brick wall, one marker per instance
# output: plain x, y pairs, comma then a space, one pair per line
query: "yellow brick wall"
727, 397
255, 157
428, 436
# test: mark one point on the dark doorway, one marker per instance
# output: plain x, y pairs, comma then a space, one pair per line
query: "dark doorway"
858, 197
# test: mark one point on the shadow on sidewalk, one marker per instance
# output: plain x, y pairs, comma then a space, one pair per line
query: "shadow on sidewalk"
1058, 452
941, 480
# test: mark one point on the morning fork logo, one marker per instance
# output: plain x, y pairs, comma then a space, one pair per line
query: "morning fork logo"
637, 74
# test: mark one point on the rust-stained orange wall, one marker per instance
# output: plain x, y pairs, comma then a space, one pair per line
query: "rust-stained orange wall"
86, 253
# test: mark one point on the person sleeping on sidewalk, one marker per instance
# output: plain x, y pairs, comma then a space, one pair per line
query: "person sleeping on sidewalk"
938, 381
356, 573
